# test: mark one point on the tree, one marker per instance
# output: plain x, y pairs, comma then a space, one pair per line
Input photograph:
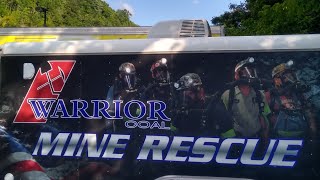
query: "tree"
61, 13
264, 17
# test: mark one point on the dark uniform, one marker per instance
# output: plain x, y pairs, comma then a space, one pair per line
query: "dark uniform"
197, 114
160, 89
126, 87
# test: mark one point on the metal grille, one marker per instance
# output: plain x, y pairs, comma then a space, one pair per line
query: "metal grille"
193, 28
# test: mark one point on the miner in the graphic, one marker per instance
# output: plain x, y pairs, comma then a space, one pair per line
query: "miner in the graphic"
246, 102
292, 115
125, 85
198, 114
160, 89
125, 88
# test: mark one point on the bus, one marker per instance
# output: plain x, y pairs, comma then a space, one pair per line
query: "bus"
161, 108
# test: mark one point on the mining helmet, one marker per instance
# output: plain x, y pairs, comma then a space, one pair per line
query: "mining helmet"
128, 75
281, 68
188, 81
246, 68
127, 68
159, 71
191, 92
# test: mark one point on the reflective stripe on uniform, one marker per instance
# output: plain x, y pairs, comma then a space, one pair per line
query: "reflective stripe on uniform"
172, 127
230, 133
290, 133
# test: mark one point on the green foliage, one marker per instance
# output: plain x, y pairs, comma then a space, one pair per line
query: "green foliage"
62, 13
266, 17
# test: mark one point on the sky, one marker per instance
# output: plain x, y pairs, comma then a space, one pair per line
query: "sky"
149, 12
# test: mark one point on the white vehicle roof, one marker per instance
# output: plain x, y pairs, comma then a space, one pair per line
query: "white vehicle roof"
167, 45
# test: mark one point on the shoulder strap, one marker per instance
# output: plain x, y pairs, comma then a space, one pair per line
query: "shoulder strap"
272, 99
259, 100
231, 99
299, 97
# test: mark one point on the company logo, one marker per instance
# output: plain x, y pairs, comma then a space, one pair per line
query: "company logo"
42, 102
45, 86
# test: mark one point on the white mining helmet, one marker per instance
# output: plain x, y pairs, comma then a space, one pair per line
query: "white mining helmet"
180, 28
